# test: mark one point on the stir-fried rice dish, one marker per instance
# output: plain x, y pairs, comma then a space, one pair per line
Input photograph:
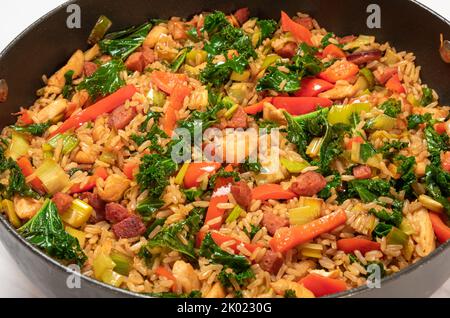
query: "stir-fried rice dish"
231, 156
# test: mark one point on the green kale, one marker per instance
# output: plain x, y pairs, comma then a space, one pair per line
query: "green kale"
427, 96
253, 230
46, 231
154, 173
389, 149
382, 229
438, 185
393, 218
68, 87
268, 125
223, 174
153, 135
192, 33
436, 144
150, 115
325, 193
215, 22
179, 60
178, 236
33, 129
305, 63
251, 166
230, 38
150, 229
121, 44
241, 278
106, 80
148, 207
367, 151
218, 74
326, 40
192, 193
204, 119
331, 146
367, 190
290, 293
275, 78
408, 176
415, 120
268, 28
391, 107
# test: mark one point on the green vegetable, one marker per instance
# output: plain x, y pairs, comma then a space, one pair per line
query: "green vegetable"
326, 39
274, 78
382, 229
436, 144
342, 114
235, 266
368, 190
397, 237
305, 63
221, 173
106, 80
149, 206
389, 149
123, 262
99, 30
408, 176
215, 22
438, 185
325, 193
234, 214
192, 193
121, 44
393, 218
367, 151
150, 115
267, 27
427, 96
33, 129
415, 120
391, 107
46, 231
331, 146
169, 236
179, 60
154, 173
68, 88
69, 142
253, 230
154, 135
18, 146
157, 222
218, 74
193, 34
368, 75
289, 293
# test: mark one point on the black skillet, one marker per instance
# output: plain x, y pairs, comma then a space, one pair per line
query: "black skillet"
47, 44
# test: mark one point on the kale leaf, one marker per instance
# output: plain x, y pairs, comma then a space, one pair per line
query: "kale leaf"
33, 129
46, 231
215, 22
415, 120
68, 87
408, 176
391, 107
267, 27
436, 144
427, 96
275, 78
290, 293
367, 151
389, 149
368, 190
325, 193
219, 73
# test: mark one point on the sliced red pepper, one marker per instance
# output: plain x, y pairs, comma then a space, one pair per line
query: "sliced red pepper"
363, 245
271, 192
178, 95
445, 161
164, 272
169, 120
258, 107
198, 169
27, 170
357, 139
301, 105
395, 85
322, 286
129, 169
298, 31
25, 117
440, 128
334, 51
103, 106
340, 70
312, 87
167, 81
99, 172
441, 230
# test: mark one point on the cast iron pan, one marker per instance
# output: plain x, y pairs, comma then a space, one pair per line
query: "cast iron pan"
48, 43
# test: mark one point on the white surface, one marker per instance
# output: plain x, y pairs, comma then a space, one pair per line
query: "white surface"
15, 16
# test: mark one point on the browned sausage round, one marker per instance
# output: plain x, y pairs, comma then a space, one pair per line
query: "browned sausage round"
62, 201
89, 68
309, 184
242, 15
115, 212
288, 50
135, 62
364, 57
97, 204
239, 119
273, 222
132, 226
121, 117
148, 55
362, 172
347, 39
271, 262
242, 193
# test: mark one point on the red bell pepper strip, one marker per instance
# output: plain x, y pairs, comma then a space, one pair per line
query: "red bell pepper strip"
287, 238
103, 106
445, 161
220, 195
196, 170
169, 121
129, 169
312, 87
167, 81
99, 172
164, 272
301, 105
441, 230
219, 239
258, 107
395, 85
271, 192
27, 170
334, 51
363, 245
440, 128
322, 286
25, 117
298, 31
178, 95
357, 139
340, 70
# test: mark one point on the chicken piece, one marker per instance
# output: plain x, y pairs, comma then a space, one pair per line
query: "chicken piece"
52, 110
342, 90
92, 53
154, 35
280, 286
26, 208
216, 291
114, 188
424, 235
84, 157
186, 276
166, 48
75, 63
274, 114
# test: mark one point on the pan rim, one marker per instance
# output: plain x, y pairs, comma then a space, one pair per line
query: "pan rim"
60, 267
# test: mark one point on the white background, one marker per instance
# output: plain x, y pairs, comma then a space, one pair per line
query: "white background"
15, 16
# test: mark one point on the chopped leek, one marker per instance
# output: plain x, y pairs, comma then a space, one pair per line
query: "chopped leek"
18, 147
156, 97
69, 142
79, 235
383, 122
361, 84
238, 92
406, 227
101, 264
311, 250
368, 75
431, 204
112, 278
412, 100
180, 176
408, 250
52, 176
269, 60
361, 40
108, 157
78, 213
98, 32
374, 161
123, 262
8, 207
313, 149
306, 213
47, 150
235, 213
244, 76
294, 166
391, 57
229, 113
397, 237
341, 113
196, 57
356, 152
